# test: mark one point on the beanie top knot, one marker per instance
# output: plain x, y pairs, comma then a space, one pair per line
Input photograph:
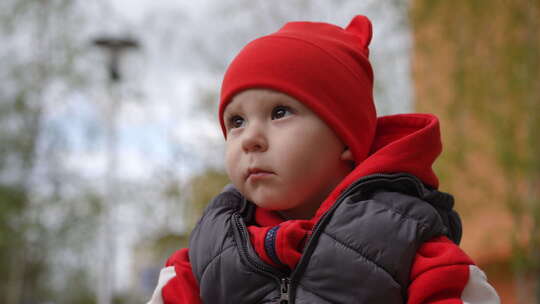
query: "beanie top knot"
321, 65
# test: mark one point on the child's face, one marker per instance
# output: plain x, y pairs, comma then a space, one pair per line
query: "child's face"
280, 154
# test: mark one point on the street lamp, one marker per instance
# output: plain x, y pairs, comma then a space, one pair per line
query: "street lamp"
114, 47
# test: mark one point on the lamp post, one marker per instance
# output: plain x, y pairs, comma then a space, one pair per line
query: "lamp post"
114, 48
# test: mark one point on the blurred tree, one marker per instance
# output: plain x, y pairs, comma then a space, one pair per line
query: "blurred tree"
42, 224
203, 188
478, 66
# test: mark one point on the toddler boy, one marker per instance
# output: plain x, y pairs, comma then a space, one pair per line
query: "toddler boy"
328, 203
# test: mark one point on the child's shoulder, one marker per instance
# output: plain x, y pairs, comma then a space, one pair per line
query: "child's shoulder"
442, 270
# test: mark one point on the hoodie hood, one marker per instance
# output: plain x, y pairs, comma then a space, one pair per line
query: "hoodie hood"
403, 143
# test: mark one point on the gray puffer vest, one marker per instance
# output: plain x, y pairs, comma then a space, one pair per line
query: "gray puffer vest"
360, 251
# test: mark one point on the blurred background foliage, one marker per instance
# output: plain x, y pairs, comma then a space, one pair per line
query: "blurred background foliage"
474, 63
477, 65
39, 222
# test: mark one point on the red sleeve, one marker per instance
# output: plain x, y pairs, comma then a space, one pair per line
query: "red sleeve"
443, 274
177, 284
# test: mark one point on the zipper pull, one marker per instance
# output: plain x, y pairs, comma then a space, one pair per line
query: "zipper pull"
284, 299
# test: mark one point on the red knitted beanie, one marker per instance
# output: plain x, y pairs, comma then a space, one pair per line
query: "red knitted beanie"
321, 65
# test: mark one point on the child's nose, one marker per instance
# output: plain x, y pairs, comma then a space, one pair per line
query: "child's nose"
254, 139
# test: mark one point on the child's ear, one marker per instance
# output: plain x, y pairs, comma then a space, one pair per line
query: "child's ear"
347, 155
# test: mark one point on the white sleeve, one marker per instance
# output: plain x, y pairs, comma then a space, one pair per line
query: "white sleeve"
165, 275
478, 290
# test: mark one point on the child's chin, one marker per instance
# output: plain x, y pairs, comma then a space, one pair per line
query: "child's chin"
269, 204
268, 198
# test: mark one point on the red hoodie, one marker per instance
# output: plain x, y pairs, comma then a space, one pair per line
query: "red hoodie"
441, 271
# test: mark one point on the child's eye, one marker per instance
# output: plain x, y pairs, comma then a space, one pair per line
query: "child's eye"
236, 122
280, 112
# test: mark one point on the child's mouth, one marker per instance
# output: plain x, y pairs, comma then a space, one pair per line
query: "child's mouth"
256, 174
